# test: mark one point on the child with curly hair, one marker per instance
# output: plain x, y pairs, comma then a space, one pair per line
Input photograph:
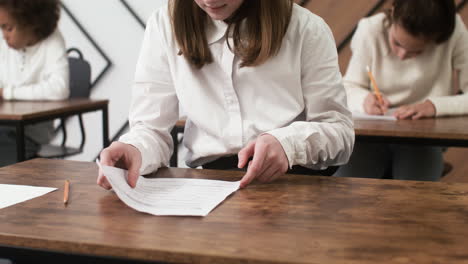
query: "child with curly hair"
33, 66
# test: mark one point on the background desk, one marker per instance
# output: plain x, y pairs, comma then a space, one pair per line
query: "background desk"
441, 131
298, 219
22, 113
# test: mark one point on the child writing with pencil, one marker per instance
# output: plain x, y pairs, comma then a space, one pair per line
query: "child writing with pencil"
412, 51
257, 80
33, 66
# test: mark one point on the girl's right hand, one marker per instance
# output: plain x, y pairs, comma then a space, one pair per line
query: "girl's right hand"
121, 155
373, 107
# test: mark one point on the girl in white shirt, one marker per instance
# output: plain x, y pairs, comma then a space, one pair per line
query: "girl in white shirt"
412, 51
33, 66
257, 80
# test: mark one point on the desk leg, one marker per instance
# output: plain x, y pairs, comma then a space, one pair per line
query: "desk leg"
20, 151
105, 127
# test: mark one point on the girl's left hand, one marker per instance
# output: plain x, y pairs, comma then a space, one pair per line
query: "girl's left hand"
416, 111
269, 160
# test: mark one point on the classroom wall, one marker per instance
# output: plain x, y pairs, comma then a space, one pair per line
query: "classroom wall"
118, 35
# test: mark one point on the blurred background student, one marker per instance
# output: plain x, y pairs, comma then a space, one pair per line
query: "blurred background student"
412, 50
33, 66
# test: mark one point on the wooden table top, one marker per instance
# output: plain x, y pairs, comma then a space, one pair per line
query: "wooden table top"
298, 219
430, 128
441, 128
26, 110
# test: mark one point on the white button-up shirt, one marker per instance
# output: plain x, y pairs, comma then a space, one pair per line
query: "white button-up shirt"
297, 96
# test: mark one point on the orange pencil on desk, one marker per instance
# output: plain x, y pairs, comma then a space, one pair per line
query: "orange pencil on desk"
66, 191
374, 85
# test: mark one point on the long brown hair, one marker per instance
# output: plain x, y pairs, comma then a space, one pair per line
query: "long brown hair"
265, 23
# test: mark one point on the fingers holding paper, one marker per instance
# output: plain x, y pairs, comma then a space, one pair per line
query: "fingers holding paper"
123, 156
269, 160
373, 106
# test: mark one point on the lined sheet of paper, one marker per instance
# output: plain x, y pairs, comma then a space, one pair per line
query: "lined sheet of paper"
170, 196
363, 116
13, 194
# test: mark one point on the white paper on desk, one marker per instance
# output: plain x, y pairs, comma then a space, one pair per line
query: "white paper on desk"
170, 196
13, 194
363, 116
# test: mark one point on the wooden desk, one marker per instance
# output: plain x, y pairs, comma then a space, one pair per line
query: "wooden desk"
298, 219
21, 113
442, 131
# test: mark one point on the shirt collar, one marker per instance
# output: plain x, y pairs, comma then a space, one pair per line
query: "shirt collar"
216, 30
28, 50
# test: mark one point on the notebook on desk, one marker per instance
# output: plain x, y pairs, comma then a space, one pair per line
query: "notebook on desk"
363, 116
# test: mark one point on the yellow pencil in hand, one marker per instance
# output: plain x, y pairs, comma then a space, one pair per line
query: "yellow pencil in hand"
374, 85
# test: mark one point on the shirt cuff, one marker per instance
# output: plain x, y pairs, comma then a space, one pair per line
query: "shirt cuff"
356, 101
147, 166
445, 106
8, 93
281, 134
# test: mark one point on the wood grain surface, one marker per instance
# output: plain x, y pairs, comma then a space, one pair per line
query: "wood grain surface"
298, 219
24, 110
431, 128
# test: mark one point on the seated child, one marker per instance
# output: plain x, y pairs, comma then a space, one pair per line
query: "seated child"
413, 51
33, 66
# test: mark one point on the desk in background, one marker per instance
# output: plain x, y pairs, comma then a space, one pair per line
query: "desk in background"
440, 131
18, 114
298, 219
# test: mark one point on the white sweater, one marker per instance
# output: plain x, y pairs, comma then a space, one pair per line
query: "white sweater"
427, 76
38, 72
